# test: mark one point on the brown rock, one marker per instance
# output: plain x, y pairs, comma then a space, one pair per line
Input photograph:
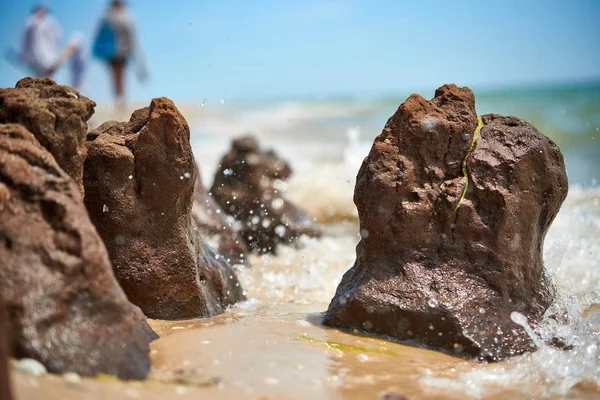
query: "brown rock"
65, 307
245, 186
5, 392
139, 182
212, 221
434, 275
56, 115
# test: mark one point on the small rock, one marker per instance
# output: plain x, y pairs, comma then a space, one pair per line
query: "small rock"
72, 377
29, 366
271, 381
391, 396
245, 186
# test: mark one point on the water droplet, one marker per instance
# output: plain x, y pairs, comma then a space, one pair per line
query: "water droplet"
187, 175
481, 310
228, 172
280, 230
432, 302
130, 176
277, 203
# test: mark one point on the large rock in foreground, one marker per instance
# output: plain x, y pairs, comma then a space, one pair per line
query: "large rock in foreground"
56, 115
65, 307
139, 183
247, 186
438, 270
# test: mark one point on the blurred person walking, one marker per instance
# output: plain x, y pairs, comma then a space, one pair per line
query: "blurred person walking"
115, 44
40, 47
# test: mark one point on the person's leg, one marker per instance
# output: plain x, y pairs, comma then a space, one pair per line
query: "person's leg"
118, 71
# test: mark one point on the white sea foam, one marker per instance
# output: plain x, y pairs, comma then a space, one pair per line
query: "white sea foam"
571, 257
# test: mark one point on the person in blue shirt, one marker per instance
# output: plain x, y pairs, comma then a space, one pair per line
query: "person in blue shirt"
115, 44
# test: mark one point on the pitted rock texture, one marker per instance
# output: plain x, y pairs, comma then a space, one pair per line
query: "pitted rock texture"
435, 273
247, 186
64, 304
56, 115
139, 182
213, 222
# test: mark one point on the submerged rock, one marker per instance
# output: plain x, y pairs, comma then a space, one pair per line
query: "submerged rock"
65, 307
213, 221
56, 115
248, 185
444, 269
139, 182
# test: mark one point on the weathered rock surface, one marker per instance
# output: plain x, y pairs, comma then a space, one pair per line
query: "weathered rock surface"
212, 221
57, 116
434, 275
65, 307
246, 186
139, 182
5, 392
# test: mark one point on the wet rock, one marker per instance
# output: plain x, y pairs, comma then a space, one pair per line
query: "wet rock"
65, 308
139, 182
438, 270
249, 185
212, 221
57, 116
5, 391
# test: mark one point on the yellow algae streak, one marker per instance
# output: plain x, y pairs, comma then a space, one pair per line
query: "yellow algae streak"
347, 347
464, 163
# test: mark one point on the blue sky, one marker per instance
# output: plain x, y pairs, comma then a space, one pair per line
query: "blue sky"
213, 49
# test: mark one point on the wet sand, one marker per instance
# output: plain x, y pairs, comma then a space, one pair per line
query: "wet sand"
273, 347
276, 356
